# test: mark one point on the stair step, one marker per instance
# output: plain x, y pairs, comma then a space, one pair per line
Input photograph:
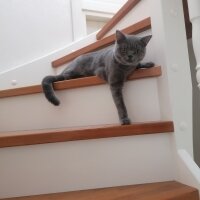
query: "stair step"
170, 190
21, 138
79, 82
139, 27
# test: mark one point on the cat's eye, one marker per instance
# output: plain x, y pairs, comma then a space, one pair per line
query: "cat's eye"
123, 50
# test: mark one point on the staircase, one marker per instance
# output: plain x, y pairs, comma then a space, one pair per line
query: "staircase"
78, 150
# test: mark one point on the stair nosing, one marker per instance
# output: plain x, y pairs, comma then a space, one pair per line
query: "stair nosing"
77, 83
21, 138
155, 190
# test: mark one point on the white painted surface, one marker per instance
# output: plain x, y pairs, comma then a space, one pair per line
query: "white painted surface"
93, 25
81, 165
92, 14
175, 89
100, 6
78, 107
31, 29
78, 20
32, 72
187, 170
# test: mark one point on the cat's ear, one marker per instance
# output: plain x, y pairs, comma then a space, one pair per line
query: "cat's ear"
120, 37
146, 39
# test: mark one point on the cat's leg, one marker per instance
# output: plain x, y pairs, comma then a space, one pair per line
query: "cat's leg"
145, 65
100, 72
116, 90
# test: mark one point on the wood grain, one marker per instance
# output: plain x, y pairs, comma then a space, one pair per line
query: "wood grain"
134, 29
21, 138
76, 83
170, 190
21, 91
129, 5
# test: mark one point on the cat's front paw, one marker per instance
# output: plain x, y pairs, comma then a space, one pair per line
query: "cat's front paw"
145, 65
125, 121
149, 64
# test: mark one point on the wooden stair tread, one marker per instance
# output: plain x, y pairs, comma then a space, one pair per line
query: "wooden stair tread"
80, 82
21, 138
170, 190
134, 29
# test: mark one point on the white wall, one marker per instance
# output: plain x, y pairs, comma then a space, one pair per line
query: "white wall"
32, 28
94, 14
93, 25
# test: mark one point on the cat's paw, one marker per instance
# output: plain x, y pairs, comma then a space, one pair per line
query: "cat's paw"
125, 121
145, 65
149, 64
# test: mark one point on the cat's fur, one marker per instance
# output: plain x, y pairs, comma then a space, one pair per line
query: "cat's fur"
112, 64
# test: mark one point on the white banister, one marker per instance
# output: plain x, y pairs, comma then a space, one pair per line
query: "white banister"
194, 12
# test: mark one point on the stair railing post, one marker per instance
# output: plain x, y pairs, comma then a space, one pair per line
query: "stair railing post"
175, 86
194, 12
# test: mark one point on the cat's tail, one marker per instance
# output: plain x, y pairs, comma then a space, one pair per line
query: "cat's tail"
47, 86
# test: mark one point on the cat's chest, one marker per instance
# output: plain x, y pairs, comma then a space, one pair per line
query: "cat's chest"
118, 74
126, 70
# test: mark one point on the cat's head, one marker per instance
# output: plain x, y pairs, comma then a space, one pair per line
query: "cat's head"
130, 49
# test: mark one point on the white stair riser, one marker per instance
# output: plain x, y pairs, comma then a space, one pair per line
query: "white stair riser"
78, 165
79, 107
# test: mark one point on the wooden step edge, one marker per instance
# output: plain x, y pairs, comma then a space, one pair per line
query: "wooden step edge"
169, 190
76, 83
134, 29
21, 91
128, 6
21, 138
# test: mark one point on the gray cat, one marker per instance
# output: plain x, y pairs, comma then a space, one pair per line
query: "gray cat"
112, 64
